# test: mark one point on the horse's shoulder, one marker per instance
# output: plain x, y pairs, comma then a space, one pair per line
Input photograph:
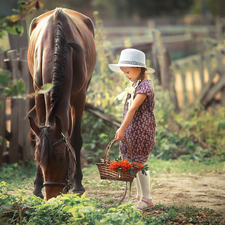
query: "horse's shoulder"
86, 20
37, 20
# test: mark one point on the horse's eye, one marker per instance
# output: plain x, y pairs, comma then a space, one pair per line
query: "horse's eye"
61, 158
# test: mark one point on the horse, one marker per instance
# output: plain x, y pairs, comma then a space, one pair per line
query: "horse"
62, 52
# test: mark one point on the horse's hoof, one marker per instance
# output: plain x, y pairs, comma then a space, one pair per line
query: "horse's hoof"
80, 192
39, 194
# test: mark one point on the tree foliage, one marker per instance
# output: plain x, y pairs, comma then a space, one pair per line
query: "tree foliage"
11, 23
124, 9
143, 9
210, 7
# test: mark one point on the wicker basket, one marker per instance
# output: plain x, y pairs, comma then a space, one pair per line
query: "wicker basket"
106, 173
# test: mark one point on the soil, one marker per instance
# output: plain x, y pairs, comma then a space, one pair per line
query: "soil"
206, 191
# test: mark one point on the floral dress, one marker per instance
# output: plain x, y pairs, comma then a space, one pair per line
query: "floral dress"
140, 133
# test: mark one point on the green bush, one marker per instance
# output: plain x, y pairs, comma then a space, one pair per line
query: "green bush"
20, 208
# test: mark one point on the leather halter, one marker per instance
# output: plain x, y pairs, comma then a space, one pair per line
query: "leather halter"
66, 185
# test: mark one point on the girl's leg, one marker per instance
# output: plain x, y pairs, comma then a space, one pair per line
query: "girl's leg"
138, 187
145, 184
146, 200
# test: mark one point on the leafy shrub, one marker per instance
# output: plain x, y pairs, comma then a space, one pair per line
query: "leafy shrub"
19, 208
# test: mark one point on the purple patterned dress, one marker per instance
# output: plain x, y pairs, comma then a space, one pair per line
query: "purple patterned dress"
140, 133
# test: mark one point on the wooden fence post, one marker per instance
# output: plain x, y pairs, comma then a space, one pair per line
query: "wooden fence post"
25, 107
183, 77
162, 65
16, 41
14, 145
191, 64
223, 96
157, 60
170, 80
2, 115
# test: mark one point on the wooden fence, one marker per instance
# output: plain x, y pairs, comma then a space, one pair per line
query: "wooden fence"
200, 77
13, 127
170, 34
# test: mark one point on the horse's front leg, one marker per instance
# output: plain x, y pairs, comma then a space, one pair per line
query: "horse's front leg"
40, 110
77, 141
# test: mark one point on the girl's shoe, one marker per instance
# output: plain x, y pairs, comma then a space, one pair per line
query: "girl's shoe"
143, 206
136, 199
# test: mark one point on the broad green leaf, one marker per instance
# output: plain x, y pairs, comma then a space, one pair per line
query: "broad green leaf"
16, 30
103, 135
4, 77
7, 207
12, 18
86, 209
20, 86
112, 209
45, 89
83, 196
171, 213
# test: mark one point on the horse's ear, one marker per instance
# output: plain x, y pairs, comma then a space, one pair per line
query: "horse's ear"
58, 123
34, 127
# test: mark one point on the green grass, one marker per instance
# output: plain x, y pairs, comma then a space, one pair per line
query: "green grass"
23, 174
104, 195
158, 167
179, 167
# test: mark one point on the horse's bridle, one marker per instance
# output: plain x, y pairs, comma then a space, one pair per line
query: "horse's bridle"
66, 185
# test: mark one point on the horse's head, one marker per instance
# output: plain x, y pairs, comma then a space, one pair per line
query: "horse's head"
55, 156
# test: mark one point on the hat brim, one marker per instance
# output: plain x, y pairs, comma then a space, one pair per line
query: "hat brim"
116, 67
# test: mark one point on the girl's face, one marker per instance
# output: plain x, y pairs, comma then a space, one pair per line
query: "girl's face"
132, 73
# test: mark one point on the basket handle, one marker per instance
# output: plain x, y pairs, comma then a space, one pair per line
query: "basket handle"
107, 151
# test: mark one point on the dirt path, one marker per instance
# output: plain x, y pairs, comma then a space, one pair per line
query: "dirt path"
206, 191
201, 191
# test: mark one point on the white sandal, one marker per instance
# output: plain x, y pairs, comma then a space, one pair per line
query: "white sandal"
149, 203
136, 199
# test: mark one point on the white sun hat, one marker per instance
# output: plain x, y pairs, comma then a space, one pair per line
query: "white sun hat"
130, 58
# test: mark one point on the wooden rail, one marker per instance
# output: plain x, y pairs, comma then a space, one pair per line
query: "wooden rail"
200, 77
170, 34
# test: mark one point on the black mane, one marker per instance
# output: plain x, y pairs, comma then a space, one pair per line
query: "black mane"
60, 54
44, 147
58, 69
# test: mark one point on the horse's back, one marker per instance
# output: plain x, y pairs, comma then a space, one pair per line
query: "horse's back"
76, 26
61, 51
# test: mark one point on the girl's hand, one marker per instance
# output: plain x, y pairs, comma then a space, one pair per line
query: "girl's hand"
119, 134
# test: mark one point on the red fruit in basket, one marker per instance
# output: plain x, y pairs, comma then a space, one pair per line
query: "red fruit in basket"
114, 165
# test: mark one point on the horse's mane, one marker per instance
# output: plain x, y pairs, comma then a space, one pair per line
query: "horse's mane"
58, 68
60, 63
44, 147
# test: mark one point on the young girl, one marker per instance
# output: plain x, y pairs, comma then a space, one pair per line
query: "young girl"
138, 124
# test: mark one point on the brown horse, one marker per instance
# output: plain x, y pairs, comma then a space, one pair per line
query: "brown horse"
62, 52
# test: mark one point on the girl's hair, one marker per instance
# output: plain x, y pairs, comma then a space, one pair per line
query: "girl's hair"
142, 73
140, 77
